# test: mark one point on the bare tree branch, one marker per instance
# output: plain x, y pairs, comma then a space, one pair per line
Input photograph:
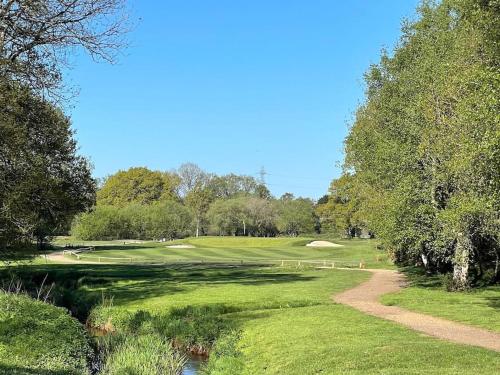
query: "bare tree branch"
37, 36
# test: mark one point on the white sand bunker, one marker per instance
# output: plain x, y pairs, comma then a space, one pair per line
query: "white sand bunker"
323, 244
181, 246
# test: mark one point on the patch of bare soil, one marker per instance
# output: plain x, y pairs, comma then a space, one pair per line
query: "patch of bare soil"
365, 298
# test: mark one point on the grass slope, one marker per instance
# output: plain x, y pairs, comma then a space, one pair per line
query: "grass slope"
38, 338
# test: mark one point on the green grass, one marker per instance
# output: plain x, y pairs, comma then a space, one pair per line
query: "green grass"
267, 320
479, 307
38, 338
239, 248
287, 320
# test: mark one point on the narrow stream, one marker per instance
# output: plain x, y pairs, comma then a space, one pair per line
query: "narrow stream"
193, 364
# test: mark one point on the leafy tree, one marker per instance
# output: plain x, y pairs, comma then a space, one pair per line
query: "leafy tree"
263, 192
343, 211
232, 185
230, 216
295, 216
198, 199
262, 217
168, 219
424, 146
138, 185
43, 182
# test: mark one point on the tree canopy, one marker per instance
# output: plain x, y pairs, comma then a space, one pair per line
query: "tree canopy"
43, 181
423, 151
138, 185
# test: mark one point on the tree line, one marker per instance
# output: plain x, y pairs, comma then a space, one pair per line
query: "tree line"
144, 204
422, 165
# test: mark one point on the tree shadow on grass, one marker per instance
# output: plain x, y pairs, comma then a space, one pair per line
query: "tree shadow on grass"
129, 283
493, 302
420, 279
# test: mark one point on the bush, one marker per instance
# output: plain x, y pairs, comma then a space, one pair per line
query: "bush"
40, 338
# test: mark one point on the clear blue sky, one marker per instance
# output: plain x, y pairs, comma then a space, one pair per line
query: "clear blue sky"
235, 85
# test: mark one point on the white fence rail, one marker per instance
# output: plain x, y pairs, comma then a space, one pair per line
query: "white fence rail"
325, 263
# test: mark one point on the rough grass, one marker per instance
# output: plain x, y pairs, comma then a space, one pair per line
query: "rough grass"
144, 355
38, 338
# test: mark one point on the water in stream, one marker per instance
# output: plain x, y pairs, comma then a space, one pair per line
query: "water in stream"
193, 365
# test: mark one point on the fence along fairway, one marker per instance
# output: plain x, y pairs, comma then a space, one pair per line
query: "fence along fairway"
237, 250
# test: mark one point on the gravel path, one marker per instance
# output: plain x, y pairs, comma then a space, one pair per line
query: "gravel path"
365, 297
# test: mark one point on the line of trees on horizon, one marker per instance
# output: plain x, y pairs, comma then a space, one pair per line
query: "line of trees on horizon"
142, 204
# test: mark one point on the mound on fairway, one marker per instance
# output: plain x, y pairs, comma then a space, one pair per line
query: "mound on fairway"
181, 246
323, 244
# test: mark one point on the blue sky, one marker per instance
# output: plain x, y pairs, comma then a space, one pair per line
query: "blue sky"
233, 86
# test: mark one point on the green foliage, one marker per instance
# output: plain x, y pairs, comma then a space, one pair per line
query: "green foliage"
423, 150
43, 182
296, 216
225, 358
38, 338
245, 215
138, 185
342, 213
144, 355
167, 220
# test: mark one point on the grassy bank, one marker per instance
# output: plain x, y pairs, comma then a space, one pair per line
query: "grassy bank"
38, 338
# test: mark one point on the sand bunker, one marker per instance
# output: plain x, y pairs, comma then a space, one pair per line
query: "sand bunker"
181, 246
323, 244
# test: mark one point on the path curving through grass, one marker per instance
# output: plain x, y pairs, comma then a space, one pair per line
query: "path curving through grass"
365, 298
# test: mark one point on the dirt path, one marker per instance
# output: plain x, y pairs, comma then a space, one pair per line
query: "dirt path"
365, 297
59, 257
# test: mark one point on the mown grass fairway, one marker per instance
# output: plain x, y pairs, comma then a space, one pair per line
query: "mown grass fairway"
237, 248
287, 321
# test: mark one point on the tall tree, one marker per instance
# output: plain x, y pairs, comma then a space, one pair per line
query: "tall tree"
43, 181
138, 185
295, 216
191, 177
424, 146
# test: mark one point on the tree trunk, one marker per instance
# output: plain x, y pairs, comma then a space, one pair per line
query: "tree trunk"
197, 227
496, 274
461, 262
